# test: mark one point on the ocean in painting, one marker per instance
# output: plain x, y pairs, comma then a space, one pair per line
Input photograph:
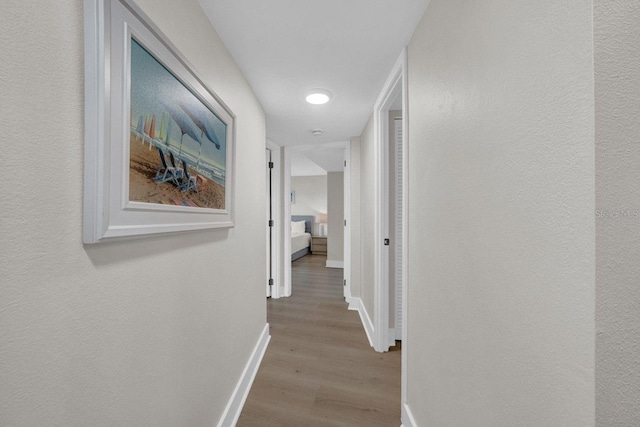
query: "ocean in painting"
167, 115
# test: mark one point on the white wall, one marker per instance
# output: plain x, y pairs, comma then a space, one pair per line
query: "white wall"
617, 113
335, 211
151, 331
501, 214
310, 195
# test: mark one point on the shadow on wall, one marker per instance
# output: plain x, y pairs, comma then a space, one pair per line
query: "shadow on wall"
115, 252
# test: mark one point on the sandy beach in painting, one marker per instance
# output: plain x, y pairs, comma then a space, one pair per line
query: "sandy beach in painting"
144, 163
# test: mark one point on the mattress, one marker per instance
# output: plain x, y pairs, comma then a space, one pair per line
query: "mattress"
300, 241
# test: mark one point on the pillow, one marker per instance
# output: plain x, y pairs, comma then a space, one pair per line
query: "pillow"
297, 227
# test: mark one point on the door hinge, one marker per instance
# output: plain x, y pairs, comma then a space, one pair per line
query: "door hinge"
344, 282
270, 282
345, 222
345, 163
270, 165
386, 242
270, 223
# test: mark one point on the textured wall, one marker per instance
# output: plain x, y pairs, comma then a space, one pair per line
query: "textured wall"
501, 221
152, 331
617, 88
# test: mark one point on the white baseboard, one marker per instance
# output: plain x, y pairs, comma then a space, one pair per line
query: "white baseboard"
234, 407
407, 417
356, 304
334, 264
392, 337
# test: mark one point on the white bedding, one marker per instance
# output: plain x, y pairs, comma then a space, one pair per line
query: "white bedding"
300, 241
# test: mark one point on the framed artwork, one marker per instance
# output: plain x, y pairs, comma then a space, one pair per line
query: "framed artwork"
159, 148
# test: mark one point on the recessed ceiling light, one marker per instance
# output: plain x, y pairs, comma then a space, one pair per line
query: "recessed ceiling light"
317, 132
318, 96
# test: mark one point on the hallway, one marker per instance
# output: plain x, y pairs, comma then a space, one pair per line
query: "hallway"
319, 369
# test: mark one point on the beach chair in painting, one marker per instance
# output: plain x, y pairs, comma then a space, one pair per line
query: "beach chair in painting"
189, 182
179, 172
165, 172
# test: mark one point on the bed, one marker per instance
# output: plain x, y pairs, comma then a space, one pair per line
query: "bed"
301, 235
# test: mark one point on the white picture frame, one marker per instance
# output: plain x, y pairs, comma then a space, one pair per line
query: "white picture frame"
122, 197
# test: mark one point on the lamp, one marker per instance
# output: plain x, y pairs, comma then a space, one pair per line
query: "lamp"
321, 220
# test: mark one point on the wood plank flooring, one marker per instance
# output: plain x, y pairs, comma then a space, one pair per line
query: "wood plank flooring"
319, 369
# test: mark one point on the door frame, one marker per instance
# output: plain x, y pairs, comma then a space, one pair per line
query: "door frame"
396, 83
269, 209
382, 339
276, 203
286, 223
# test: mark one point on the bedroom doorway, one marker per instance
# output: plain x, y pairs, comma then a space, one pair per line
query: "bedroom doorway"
322, 226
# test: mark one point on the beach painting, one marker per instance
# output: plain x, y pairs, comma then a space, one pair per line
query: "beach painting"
178, 145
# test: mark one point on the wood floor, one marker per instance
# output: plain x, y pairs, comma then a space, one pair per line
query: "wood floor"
319, 369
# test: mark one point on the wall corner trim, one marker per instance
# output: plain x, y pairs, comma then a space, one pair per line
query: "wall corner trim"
238, 398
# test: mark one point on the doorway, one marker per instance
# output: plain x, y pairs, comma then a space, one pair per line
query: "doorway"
343, 223
396, 204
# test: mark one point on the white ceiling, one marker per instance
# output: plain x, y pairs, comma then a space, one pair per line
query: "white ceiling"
287, 47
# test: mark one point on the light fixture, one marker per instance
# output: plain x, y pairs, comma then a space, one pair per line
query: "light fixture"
318, 96
317, 132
